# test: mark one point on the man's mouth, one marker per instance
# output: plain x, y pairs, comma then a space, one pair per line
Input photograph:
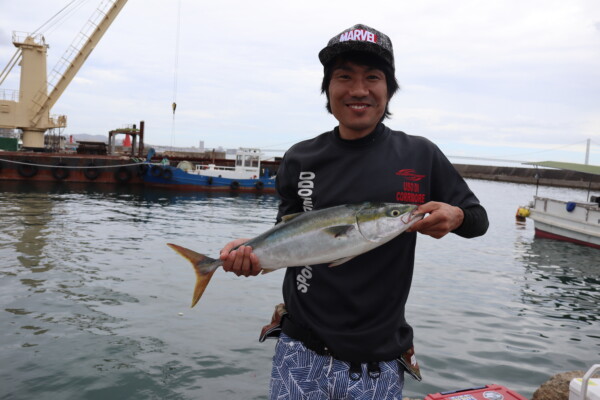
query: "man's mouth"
358, 106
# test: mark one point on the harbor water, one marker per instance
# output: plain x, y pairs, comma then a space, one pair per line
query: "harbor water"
94, 305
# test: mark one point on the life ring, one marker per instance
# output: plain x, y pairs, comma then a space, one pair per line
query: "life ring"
60, 173
27, 169
234, 185
259, 185
91, 173
156, 171
167, 173
142, 169
122, 175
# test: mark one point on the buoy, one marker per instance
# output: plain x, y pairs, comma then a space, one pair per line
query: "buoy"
522, 213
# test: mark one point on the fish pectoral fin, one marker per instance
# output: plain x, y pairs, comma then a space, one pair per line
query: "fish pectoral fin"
266, 271
339, 231
340, 261
289, 217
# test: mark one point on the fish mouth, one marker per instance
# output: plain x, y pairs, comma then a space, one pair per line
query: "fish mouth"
412, 217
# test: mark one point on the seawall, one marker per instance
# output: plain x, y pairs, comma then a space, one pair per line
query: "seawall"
543, 176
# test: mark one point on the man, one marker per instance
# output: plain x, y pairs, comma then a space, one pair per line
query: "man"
345, 329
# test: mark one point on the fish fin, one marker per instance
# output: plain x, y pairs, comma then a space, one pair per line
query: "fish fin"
266, 271
340, 261
339, 230
204, 267
289, 217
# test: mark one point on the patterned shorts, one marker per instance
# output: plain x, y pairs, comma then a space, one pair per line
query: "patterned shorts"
301, 374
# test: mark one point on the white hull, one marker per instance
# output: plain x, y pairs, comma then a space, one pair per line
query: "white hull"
553, 220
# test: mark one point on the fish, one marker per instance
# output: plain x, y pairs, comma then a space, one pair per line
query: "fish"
332, 235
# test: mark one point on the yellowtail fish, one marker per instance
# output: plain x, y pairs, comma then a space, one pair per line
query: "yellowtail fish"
327, 236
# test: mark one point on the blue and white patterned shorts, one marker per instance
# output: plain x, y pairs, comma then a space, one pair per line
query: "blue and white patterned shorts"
301, 374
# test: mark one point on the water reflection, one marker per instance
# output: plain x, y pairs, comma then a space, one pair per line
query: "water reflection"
561, 279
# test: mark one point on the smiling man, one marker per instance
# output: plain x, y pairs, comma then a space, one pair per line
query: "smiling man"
345, 335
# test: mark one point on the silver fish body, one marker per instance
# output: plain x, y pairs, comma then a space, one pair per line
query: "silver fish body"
331, 235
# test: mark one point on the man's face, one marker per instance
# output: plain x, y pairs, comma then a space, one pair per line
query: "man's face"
358, 97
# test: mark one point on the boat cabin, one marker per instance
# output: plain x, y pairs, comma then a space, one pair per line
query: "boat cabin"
247, 166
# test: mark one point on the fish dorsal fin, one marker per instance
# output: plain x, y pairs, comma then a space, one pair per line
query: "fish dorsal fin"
340, 261
339, 231
289, 217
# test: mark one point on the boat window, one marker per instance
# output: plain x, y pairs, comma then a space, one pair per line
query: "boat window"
252, 161
238, 160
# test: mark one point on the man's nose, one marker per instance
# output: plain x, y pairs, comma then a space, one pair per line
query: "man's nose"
359, 88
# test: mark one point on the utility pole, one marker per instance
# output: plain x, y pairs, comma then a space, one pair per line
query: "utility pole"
587, 152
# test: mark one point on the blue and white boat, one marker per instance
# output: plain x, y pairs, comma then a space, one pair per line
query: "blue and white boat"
244, 176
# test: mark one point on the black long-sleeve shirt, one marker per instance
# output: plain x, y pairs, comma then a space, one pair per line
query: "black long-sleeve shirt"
357, 308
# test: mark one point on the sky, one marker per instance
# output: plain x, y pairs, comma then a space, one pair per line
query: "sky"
499, 79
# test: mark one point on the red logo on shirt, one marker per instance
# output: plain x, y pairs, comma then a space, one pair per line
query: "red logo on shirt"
410, 175
411, 190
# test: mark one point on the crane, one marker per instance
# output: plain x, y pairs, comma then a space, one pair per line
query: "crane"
29, 108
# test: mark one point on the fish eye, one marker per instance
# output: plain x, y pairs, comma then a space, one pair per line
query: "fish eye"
395, 213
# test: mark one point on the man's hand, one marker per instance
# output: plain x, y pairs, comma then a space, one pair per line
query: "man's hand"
241, 261
442, 218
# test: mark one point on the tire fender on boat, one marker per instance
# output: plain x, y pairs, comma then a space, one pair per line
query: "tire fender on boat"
156, 171
27, 169
167, 173
210, 180
123, 175
234, 185
259, 185
90, 172
142, 169
60, 173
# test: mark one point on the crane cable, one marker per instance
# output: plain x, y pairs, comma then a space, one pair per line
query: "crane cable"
175, 71
53, 21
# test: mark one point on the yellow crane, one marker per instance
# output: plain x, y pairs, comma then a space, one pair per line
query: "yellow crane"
28, 109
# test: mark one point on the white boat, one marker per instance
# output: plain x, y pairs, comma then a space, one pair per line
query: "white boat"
247, 166
571, 221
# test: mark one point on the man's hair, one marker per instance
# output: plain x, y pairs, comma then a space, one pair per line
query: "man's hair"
364, 59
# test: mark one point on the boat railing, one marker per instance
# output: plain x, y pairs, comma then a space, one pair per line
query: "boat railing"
9, 94
203, 167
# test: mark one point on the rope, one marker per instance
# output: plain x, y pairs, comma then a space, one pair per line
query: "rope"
71, 167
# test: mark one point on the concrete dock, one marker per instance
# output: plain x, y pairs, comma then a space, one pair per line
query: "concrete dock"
542, 176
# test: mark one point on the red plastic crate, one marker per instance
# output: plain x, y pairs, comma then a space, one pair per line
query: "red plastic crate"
487, 392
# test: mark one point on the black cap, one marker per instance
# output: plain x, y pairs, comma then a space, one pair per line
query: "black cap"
359, 38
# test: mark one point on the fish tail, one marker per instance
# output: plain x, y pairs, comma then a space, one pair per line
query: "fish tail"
204, 266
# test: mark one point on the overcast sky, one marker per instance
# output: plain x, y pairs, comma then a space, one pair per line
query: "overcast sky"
508, 79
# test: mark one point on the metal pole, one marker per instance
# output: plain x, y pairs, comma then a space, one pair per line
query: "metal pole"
587, 152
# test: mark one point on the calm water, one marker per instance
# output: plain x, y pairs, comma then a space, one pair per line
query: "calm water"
94, 305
